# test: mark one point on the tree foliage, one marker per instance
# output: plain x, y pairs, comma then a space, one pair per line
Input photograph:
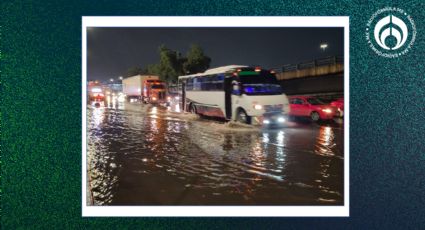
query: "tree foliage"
172, 64
196, 60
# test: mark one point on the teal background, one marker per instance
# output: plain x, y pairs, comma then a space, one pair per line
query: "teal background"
41, 116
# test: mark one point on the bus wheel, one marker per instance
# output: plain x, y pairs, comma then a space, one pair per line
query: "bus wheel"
242, 117
314, 116
192, 109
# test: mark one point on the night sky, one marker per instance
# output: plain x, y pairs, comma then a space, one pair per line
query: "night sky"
111, 51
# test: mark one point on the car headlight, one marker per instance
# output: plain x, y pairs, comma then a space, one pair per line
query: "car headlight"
266, 122
258, 107
327, 110
281, 119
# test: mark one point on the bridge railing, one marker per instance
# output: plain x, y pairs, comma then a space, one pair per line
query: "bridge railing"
328, 65
311, 64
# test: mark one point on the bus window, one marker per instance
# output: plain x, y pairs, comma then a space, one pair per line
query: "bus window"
260, 83
189, 85
197, 84
157, 87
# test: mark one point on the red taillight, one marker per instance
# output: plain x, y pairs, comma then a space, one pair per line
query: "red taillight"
235, 74
257, 69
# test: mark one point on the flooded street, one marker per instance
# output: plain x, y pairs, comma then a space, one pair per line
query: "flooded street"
146, 155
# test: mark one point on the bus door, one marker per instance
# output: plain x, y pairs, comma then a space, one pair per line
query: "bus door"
228, 97
183, 97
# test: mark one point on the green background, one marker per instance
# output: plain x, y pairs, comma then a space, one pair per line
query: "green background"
41, 116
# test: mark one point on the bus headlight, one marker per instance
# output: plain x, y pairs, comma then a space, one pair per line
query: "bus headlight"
258, 107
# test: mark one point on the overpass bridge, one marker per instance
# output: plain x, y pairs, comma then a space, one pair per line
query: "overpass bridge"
320, 77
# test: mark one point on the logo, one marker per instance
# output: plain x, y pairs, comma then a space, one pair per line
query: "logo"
391, 32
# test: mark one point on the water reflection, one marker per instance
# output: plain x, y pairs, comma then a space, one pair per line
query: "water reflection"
101, 160
143, 155
325, 141
98, 116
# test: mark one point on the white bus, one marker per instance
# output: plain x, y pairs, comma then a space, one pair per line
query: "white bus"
235, 92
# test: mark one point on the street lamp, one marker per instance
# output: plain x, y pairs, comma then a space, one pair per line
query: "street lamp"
324, 46
120, 77
112, 80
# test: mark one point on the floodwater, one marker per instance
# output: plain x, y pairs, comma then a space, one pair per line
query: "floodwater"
147, 155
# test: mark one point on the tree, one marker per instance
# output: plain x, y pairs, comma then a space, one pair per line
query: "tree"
196, 60
172, 64
169, 66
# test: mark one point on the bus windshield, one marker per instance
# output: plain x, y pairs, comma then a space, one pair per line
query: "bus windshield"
157, 87
260, 83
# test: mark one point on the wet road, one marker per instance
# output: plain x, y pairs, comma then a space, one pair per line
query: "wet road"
146, 155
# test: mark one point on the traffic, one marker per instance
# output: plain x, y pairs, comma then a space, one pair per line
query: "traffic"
248, 95
226, 136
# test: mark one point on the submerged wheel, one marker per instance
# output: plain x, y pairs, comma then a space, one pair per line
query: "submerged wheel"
314, 116
242, 117
192, 109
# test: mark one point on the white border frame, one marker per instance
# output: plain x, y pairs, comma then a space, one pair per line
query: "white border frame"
222, 211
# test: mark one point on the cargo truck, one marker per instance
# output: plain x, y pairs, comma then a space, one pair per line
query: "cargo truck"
145, 88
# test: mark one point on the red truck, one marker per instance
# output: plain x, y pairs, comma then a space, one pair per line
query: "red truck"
95, 93
154, 91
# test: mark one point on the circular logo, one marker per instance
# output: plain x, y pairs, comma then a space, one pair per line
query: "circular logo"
391, 32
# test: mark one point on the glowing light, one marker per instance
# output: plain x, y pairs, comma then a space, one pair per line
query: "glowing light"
281, 119
258, 107
280, 138
96, 90
154, 110
323, 46
266, 122
327, 110
178, 108
177, 98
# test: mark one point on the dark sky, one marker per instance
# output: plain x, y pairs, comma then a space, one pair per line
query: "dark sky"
111, 51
